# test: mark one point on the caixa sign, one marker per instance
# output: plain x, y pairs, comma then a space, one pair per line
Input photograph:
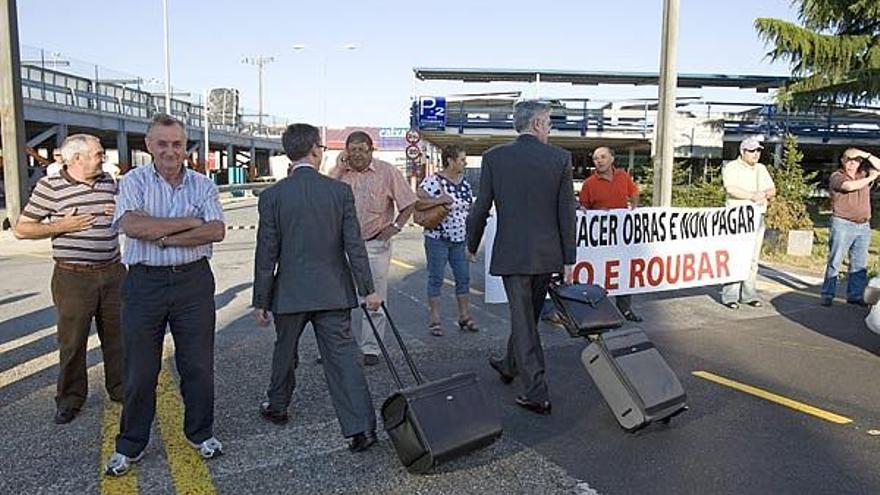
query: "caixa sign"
432, 112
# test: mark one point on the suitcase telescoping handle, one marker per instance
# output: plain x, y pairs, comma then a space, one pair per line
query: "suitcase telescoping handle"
403, 349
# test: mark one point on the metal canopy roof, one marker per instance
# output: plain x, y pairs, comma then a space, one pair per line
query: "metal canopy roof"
759, 83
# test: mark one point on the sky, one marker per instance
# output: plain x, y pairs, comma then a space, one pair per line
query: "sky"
373, 84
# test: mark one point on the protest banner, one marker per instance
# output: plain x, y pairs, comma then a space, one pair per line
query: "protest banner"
653, 249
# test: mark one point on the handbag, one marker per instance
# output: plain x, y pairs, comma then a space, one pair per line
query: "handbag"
429, 212
585, 309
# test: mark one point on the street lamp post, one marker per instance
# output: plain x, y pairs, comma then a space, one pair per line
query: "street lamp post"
167, 59
324, 57
260, 62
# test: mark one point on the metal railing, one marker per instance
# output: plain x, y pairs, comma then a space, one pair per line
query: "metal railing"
118, 94
825, 127
585, 120
764, 119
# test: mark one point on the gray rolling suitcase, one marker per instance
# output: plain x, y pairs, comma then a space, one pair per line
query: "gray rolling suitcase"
634, 379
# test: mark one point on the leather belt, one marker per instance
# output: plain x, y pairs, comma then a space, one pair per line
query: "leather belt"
86, 267
169, 268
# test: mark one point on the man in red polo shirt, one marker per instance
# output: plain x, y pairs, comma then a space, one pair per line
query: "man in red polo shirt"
607, 189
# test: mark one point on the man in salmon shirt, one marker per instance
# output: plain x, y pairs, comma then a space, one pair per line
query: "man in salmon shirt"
607, 189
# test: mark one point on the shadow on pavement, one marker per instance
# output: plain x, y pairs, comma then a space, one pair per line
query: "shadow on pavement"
17, 297
224, 298
22, 325
842, 322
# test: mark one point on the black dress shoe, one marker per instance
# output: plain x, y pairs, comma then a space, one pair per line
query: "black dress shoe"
64, 416
496, 365
277, 417
631, 316
362, 441
535, 407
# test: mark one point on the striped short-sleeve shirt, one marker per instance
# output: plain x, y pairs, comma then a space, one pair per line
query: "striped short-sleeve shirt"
59, 195
145, 190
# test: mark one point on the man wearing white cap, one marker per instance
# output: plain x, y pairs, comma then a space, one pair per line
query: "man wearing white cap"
747, 181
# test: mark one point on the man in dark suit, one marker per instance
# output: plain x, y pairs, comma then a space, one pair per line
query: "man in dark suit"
529, 181
308, 227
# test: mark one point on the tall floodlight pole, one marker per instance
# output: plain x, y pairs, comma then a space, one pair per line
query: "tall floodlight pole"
167, 59
260, 62
207, 123
11, 113
324, 57
665, 131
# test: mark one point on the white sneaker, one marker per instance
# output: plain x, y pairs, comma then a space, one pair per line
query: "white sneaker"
119, 464
209, 449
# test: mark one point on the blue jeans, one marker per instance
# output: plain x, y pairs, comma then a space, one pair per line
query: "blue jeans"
437, 253
853, 238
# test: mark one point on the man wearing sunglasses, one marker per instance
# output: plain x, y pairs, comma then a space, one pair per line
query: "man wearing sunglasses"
850, 191
747, 182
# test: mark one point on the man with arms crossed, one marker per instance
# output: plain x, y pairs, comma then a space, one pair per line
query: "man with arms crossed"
747, 182
171, 216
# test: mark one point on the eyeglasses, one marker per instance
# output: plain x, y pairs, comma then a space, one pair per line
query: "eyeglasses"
850, 158
752, 151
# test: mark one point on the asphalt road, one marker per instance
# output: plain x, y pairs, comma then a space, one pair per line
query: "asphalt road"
730, 441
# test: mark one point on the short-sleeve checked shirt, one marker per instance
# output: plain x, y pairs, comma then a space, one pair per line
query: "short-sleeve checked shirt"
377, 190
144, 189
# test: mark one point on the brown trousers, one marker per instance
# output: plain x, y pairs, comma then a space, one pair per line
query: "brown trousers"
80, 297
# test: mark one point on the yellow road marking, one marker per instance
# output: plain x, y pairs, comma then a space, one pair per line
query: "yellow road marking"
38, 364
111, 485
778, 399
188, 470
402, 264
446, 281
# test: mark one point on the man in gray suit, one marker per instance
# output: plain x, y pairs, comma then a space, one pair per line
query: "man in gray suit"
308, 248
530, 183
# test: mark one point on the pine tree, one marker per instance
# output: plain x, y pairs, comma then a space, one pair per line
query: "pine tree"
834, 54
788, 211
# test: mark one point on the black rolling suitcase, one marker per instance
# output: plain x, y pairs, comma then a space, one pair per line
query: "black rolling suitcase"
433, 422
633, 378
